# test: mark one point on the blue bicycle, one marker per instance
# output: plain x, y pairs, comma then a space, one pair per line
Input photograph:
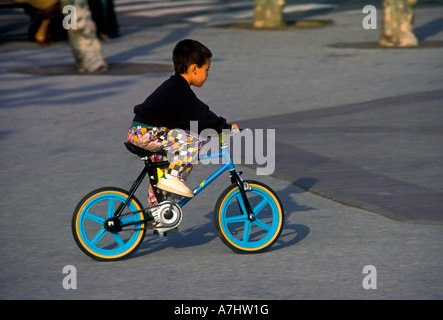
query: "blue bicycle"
110, 223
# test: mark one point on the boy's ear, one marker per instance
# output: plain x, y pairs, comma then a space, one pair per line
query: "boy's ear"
193, 68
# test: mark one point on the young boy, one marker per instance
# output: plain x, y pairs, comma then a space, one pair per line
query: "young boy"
162, 121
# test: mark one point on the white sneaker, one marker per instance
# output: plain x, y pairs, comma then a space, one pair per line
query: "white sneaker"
174, 185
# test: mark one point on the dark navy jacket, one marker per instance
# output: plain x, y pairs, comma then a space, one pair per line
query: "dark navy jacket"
173, 105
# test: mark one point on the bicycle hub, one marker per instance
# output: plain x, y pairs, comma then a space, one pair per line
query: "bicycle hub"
113, 225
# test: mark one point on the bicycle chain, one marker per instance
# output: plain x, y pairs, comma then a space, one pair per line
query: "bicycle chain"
145, 211
153, 221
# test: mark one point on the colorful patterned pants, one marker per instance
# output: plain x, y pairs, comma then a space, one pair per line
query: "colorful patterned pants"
181, 146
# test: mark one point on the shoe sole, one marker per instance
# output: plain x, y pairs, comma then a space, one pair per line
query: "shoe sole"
174, 191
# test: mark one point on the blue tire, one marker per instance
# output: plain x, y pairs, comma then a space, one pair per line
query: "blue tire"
236, 230
88, 225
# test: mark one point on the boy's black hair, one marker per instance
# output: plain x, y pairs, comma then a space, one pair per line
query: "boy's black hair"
188, 52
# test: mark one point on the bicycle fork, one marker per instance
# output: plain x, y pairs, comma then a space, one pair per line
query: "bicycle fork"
243, 187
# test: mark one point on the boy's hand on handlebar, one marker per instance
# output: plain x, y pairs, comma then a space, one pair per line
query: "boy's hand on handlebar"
234, 129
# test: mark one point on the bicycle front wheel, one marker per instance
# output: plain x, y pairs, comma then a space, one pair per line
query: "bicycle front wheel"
88, 224
233, 225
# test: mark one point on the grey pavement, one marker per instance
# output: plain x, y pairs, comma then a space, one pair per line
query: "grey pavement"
380, 155
358, 162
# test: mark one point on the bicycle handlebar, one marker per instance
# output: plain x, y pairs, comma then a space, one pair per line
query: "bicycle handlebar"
222, 135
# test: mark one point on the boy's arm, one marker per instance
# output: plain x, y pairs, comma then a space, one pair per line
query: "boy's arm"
199, 111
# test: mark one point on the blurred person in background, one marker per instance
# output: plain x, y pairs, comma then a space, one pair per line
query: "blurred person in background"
46, 20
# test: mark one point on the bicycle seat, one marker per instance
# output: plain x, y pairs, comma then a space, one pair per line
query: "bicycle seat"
140, 151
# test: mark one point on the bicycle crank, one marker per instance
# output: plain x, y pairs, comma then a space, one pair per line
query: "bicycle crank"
167, 216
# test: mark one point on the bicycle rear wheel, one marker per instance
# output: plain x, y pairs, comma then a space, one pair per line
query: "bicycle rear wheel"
233, 225
88, 225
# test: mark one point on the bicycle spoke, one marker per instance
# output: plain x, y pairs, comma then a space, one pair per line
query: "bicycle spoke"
235, 219
259, 223
98, 236
241, 204
246, 231
111, 208
260, 206
118, 239
94, 218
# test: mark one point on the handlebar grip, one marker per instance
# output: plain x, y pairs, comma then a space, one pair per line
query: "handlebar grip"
222, 136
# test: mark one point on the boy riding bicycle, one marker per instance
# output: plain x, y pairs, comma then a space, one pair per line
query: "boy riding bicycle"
162, 121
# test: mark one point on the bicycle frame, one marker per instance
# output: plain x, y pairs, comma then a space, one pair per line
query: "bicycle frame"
224, 154
151, 167
235, 178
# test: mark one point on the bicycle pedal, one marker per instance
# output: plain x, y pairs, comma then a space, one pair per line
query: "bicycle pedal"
164, 233
159, 233
151, 224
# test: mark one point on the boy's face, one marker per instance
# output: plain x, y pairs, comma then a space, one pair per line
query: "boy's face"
198, 75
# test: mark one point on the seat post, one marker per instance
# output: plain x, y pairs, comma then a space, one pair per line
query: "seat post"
150, 169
